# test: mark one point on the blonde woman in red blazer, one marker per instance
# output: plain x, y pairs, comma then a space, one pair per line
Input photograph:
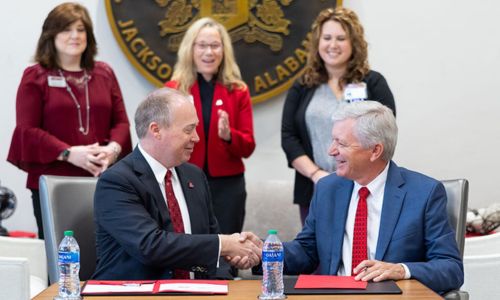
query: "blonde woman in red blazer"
206, 69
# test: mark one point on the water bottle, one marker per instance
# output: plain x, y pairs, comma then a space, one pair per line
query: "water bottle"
272, 267
69, 267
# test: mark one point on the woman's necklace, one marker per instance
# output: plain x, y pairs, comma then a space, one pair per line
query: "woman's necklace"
78, 107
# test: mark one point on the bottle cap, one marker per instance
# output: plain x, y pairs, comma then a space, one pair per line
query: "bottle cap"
68, 233
272, 231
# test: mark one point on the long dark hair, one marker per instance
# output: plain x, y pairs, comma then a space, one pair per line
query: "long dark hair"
57, 20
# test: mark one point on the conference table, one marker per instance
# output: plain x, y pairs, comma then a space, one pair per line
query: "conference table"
250, 289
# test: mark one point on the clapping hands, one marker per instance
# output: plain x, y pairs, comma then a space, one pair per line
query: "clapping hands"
242, 250
223, 128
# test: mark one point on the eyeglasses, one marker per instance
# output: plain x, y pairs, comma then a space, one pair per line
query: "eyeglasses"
205, 46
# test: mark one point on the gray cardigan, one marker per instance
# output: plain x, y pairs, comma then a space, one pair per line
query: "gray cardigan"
295, 139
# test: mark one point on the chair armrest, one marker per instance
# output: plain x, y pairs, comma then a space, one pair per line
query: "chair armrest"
456, 295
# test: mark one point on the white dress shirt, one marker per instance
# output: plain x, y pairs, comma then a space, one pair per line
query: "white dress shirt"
374, 205
160, 171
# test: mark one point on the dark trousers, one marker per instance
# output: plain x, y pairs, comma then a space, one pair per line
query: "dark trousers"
37, 210
228, 199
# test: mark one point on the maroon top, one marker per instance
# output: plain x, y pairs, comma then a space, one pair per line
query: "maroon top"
47, 120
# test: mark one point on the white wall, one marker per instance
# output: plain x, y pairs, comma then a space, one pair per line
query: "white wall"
439, 57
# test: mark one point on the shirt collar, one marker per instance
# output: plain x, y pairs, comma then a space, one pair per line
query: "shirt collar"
158, 169
377, 184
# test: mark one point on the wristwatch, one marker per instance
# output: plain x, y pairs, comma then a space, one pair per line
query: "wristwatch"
65, 154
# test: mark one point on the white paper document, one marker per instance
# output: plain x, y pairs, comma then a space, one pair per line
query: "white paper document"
205, 288
118, 288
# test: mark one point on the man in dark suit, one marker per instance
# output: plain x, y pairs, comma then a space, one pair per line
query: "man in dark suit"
140, 232
405, 232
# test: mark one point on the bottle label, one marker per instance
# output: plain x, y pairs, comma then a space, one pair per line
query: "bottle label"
272, 256
69, 257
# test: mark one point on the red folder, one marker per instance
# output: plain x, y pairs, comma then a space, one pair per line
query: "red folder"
329, 282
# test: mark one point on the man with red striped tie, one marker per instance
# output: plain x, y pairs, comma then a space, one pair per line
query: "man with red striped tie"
373, 219
153, 212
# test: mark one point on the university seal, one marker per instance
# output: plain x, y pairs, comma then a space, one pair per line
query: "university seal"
269, 36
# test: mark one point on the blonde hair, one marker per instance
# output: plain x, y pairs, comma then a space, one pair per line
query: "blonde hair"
185, 71
315, 72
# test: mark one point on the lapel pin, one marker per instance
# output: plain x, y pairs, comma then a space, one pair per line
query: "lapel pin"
218, 102
190, 185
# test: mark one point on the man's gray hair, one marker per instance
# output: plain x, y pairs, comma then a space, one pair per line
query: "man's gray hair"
156, 108
375, 123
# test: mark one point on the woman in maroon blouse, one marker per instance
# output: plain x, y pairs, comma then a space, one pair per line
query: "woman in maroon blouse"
70, 115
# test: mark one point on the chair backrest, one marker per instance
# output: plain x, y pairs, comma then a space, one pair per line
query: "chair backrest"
457, 191
68, 204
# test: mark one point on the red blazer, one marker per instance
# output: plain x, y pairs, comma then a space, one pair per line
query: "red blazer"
224, 159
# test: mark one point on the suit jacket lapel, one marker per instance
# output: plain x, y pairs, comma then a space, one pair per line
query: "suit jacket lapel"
391, 208
146, 176
342, 199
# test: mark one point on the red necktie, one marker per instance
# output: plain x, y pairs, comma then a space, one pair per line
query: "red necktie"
175, 217
359, 241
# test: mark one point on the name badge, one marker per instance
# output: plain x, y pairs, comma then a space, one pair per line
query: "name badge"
56, 81
355, 92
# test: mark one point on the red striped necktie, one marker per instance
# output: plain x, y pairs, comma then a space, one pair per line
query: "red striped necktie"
359, 241
175, 217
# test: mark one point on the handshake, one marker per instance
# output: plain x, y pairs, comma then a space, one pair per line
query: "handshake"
241, 250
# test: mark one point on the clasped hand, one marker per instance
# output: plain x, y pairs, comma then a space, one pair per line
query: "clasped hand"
93, 158
242, 250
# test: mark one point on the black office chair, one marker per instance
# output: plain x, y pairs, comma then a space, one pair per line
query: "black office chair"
68, 204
